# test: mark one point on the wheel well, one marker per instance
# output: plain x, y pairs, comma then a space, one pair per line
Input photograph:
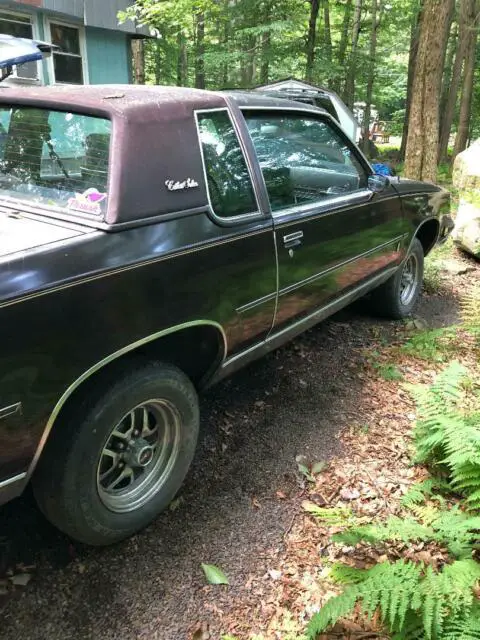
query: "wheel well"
197, 350
427, 234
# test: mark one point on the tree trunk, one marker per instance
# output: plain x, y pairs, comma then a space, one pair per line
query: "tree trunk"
265, 66
370, 79
200, 50
248, 66
461, 138
158, 62
415, 32
467, 9
452, 53
182, 61
138, 55
265, 46
349, 92
311, 39
423, 131
327, 33
226, 47
342, 47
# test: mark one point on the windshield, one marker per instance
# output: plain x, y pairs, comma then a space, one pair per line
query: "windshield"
54, 158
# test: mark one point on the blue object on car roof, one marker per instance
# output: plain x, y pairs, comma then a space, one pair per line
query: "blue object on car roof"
382, 169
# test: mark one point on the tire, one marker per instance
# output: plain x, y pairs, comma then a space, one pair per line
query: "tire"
100, 487
394, 299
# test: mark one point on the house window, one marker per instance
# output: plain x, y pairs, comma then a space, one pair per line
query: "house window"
68, 62
20, 27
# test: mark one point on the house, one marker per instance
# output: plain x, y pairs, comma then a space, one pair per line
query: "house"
94, 48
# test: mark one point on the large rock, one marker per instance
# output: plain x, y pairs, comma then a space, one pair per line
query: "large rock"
466, 177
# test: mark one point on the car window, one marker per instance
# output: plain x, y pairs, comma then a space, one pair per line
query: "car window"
228, 179
303, 158
55, 158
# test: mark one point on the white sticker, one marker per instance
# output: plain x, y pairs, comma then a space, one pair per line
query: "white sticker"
177, 185
88, 202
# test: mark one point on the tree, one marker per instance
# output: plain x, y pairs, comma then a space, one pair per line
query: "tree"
468, 78
412, 60
311, 39
371, 76
138, 60
200, 50
349, 93
467, 10
423, 127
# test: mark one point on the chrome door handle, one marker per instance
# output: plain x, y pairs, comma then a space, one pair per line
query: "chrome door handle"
293, 239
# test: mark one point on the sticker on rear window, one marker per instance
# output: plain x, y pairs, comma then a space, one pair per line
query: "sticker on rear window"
88, 202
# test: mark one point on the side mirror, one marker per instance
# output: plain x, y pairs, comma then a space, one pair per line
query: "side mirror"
378, 183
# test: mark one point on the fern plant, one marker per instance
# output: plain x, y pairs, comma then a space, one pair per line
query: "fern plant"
446, 436
412, 599
450, 528
470, 310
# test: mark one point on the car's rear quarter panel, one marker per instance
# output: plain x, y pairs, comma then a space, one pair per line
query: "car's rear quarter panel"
135, 283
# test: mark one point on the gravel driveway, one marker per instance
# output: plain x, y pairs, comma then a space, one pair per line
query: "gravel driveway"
238, 502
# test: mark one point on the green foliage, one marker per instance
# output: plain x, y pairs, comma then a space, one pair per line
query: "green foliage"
413, 599
389, 372
446, 436
433, 345
407, 594
421, 490
432, 280
470, 307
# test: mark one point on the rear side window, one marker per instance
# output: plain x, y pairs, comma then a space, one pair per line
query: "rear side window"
55, 158
228, 180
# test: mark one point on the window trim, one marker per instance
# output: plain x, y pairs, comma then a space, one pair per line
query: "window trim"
336, 200
231, 220
33, 21
83, 51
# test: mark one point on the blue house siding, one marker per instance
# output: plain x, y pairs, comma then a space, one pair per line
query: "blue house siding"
108, 56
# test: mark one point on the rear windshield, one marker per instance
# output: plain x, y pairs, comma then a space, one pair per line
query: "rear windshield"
54, 158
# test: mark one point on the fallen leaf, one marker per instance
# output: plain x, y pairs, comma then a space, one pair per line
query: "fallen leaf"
319, 466
274, 574
349, 494
20, 579
214, 575
280, 495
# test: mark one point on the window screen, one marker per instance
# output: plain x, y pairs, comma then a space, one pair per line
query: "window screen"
67, 63
55, 158
303, 158
228, 179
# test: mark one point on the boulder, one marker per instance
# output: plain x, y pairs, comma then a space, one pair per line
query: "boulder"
466, 178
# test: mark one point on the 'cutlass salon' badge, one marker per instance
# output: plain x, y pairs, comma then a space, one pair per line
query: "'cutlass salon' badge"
177, 185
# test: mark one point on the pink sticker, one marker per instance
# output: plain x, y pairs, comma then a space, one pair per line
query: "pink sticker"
88, 201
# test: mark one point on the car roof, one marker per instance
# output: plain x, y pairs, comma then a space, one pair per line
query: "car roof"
135, 102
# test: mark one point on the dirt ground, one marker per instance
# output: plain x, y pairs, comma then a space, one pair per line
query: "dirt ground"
235, 510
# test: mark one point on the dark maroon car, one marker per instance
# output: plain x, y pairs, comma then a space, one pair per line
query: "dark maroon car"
153, 240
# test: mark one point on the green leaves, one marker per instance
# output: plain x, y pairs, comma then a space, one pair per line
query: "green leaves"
214, 575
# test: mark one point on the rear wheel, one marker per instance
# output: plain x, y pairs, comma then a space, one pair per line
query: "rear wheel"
118, 457
397, 297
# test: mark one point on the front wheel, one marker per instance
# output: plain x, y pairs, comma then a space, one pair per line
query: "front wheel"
118, 457
397, 297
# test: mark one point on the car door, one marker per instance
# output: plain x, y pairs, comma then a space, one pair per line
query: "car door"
332, 232
242, 281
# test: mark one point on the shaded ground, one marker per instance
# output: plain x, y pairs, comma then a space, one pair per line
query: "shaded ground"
235, 509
